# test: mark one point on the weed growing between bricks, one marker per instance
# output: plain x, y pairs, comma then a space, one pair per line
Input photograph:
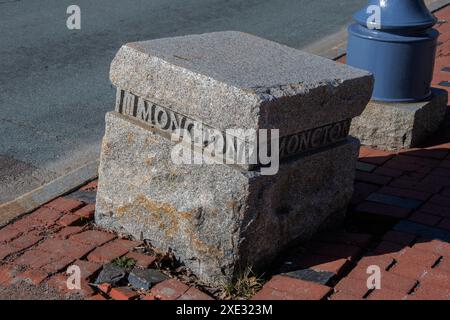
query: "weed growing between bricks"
243, 287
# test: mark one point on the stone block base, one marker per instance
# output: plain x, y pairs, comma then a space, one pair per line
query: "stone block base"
394, 126
217, 219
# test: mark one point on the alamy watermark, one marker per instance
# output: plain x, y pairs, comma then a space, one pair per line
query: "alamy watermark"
374, 20
73, 22
374, 280
74, 280
204, 145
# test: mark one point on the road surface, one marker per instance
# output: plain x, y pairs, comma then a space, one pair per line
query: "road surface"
54, 86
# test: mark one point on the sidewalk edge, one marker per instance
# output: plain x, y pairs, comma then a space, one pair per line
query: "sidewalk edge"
39, 196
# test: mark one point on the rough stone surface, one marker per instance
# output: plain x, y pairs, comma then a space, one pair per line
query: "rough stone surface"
394, 126
219, 219
145, 278
236, 80
215, 218
321, 277
111, 274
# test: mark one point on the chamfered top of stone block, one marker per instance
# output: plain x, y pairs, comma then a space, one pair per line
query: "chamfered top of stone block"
233, 79
245, 61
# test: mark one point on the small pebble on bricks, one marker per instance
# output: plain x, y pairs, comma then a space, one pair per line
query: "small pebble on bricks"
145, 278
111, 274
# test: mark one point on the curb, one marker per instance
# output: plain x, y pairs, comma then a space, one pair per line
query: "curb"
39, 196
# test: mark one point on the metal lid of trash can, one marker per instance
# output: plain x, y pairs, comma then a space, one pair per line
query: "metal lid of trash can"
400, 15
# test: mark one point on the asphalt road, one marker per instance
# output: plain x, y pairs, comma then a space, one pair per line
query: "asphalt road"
54, 86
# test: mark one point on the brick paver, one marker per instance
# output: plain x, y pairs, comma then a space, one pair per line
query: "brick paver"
194, 294
142, 260
112, 250
398, 220
169, 289
64, 205
123, 293
285, 288
94, 237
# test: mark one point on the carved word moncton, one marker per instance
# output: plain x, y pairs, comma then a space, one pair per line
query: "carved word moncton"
151, 113
166, 120
198, 143
314, 138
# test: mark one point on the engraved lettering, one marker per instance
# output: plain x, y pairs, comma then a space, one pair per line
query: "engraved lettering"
128, 104
335, 132
231, 143
305, 138
292, 146
119, 100
325, 134
162, 118
142, 110
315, 139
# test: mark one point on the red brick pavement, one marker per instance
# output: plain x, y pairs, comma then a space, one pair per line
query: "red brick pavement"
398, 221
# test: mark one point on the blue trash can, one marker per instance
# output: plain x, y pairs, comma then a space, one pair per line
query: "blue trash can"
400, 52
